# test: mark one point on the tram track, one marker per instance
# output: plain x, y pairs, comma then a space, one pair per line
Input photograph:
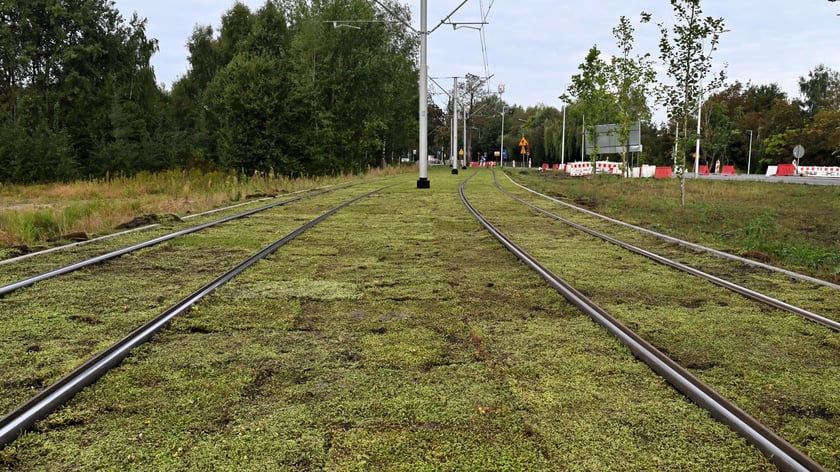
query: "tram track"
412, 355
55, 395
778, 450
680, 242
52, 326
77, 244
26, 282
751, 294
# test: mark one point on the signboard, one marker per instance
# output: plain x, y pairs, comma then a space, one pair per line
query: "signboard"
798, 151
523, 146
607, 138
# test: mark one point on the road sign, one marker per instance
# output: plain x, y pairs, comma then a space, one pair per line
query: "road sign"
523, 142
798, 151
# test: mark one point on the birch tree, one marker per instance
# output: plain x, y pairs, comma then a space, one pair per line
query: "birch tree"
686, 50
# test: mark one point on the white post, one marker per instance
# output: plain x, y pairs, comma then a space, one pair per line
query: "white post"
697, 150
749, 154
423, 180
583, 146
464, 162
563, 141
502, 143
454, 132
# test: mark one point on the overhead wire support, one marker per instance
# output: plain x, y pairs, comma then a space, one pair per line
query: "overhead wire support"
424, 32
445, 20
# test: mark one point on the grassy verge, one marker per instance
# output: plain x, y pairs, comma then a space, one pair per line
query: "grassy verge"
31, 215
789, 225
394, 336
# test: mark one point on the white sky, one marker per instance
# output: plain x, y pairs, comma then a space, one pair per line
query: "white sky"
535, 46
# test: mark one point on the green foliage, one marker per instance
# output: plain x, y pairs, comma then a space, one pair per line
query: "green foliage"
276, 89
820, 90
688, 63
68, 64
591, 89
630, 79
246, 100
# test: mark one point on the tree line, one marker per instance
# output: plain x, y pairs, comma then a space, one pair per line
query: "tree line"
753, 125
287, 89
309, 87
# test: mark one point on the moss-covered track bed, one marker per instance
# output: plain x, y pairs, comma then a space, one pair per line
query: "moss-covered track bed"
398, 335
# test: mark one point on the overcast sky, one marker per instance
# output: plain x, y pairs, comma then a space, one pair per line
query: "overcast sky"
533, 47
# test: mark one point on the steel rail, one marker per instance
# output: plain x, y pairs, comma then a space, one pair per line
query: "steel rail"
48, 400
778, 451
746, 292
7, 289
688, 244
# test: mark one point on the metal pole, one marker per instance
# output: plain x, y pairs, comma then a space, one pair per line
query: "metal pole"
563, 141
749, 154
502, 145
454, 147
502, 139
583, 146
697, 150
423, 180
464, 162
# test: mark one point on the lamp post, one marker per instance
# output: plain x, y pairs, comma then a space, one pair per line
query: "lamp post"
563, 141
454, 134
464, 162
749, 153
697, 149
502, 143
699, 107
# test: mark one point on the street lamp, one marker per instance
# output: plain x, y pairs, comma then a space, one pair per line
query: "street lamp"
563, 141
749, 153
502, 143
464, 149
699, 107
454, 134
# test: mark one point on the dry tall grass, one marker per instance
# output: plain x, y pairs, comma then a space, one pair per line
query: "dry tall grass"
32, 214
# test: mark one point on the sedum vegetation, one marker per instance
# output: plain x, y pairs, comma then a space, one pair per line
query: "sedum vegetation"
395, 335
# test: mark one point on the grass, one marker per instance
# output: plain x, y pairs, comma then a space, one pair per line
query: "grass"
32, 215
779, 368
396, 335
789, 225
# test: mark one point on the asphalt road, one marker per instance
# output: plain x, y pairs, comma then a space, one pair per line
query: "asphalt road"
789, 179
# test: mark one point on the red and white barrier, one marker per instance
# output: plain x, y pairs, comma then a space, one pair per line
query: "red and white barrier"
601, 167
819, 171
577, 169
782, 170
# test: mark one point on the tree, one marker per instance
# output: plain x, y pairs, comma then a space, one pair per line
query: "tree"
821, 90
590, 88
358, 85
472, 92
66, 67
688, 64
630, 79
